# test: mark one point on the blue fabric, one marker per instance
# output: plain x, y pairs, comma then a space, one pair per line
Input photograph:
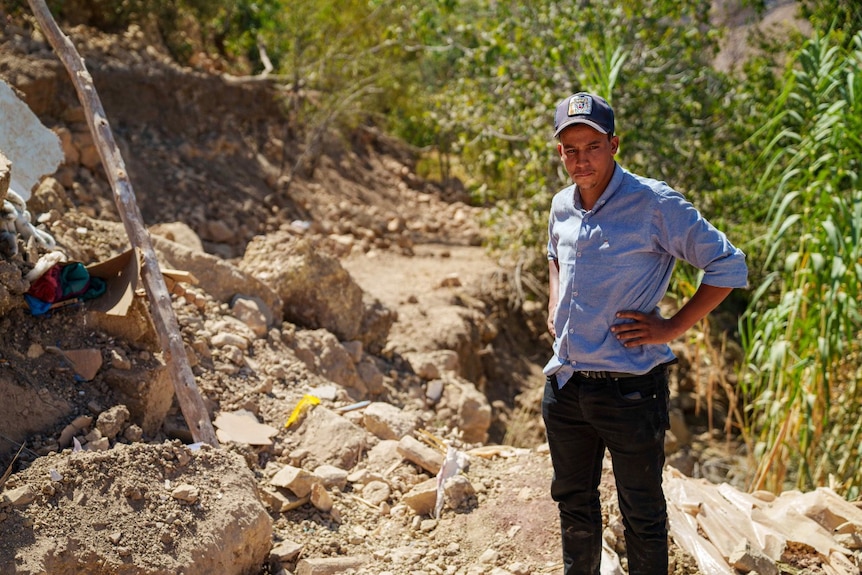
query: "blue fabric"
620, 256
37, 306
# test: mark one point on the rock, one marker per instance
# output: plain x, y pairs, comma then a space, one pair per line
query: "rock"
471, 408
286, 551
387, 421
330, 438
459, 491
377, 321
371, 377
332, 360
112, 421
79, 424
383, 456
376, 492
331, 476
186, 493
219, 278
297, 480
20, 496
430, 365
250, 311
119, 360
223, 339
416, 452
180, 233
298, 279
146, 390
422, 498
320, 498
329, 565
280, 500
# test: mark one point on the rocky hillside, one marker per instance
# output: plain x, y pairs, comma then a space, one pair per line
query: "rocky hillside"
373, 387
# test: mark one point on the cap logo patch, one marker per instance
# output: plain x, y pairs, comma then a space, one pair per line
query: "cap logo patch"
580, 106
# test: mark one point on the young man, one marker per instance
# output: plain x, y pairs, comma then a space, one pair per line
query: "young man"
614, 238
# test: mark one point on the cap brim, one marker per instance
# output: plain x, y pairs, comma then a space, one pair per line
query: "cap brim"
574, 121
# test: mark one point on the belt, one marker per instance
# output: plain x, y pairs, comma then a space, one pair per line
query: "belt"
607, 374
621, 374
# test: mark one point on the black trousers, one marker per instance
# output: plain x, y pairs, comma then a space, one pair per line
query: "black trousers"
629, 417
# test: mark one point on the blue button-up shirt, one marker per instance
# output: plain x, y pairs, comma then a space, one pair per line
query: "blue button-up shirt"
619, 256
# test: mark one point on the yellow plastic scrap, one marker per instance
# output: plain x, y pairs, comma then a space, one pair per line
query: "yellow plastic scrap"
301, 408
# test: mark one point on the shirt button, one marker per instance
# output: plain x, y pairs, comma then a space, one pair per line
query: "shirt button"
571, 331
574, 295
578, 254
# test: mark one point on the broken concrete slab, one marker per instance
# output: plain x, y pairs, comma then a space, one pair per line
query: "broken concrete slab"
33, 149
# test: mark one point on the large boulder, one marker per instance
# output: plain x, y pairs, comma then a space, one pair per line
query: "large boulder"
317, 292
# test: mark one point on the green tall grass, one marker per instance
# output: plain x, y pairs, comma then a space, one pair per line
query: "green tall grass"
802, 332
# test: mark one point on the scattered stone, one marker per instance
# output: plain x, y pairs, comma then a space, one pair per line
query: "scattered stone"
297, 480
20, 496
422, 498
281, 501
376, 492
320, 498
111, 422
329, 565
186, 493
416, 452
331, 476
286, 551
387, 421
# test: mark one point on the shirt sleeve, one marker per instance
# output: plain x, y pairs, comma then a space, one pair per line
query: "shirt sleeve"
688, 236
552, 240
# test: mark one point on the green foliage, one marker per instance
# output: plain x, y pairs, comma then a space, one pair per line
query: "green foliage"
801, 331
841, 16
496, 82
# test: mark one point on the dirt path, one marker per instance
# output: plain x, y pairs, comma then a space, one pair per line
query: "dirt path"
399, 281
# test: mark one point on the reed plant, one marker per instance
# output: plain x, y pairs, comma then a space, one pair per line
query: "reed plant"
801, 331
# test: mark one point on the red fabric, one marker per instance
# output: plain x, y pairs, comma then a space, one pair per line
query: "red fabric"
47, 288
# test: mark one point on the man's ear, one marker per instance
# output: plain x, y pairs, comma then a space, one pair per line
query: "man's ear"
560, 149
615, 144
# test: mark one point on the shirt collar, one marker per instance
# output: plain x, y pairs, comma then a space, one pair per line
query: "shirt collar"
611, 189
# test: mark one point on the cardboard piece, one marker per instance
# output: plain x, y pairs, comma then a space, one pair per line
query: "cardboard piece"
121, 275
242, 427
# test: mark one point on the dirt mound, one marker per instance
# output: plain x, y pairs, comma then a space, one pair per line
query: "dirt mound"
136, 508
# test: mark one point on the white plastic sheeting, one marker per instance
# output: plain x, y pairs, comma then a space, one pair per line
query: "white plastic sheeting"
727, 530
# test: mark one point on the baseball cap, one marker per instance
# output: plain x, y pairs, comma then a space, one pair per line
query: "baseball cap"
584, 108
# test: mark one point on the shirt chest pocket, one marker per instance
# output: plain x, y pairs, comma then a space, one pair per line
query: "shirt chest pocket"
618, 248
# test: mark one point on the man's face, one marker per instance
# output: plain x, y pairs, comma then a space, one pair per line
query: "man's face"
589, 157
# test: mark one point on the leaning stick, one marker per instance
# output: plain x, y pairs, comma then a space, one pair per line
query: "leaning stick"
165, 320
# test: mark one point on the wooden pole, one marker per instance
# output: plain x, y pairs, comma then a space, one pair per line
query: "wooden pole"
165, 320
